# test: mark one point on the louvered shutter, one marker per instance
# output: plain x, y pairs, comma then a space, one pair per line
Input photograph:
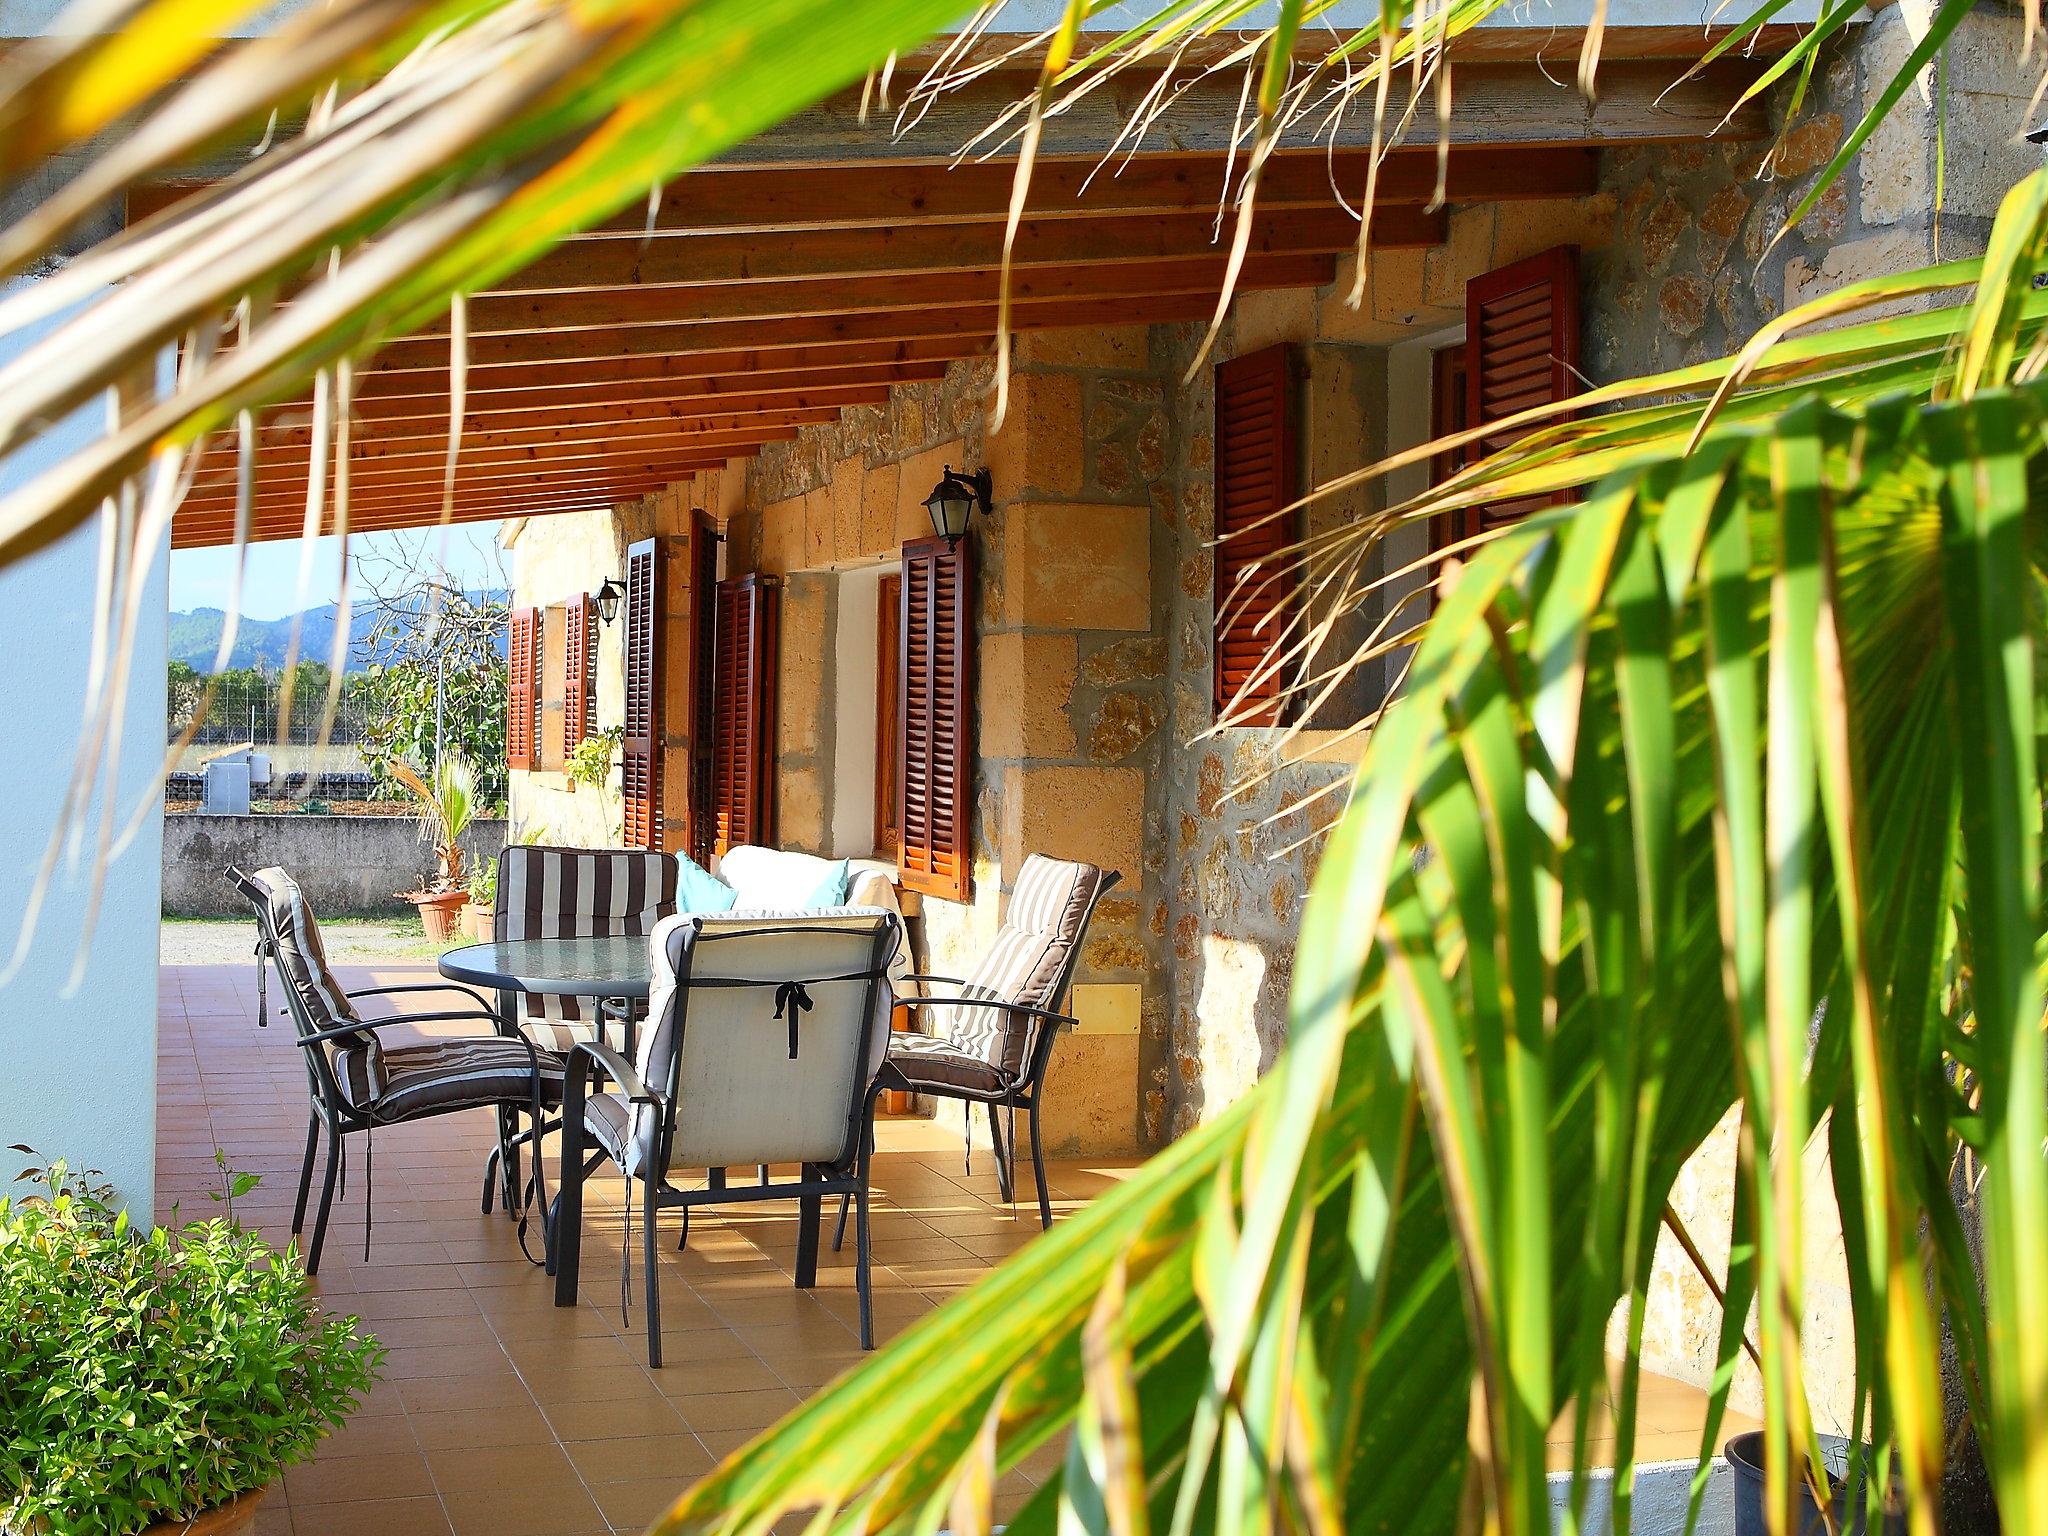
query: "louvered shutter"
1521, 351
743, 712
522, 700
703, 687
935, 772
640, 774
1255, 478
579, 671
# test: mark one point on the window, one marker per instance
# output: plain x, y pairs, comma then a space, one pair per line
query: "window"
888, 714
579, 671
640, 770
936, 705
743, 712
704, 541
522, 704
1521, 351
1256, 471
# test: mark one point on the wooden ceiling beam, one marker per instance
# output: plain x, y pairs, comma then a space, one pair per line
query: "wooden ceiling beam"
912, 248
681, 398
430, 439
962, 331
404, 368
211, 530
287, 482
811, 298
1505, 106
877, 194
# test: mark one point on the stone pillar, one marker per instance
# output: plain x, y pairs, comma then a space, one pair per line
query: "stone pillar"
1070, 693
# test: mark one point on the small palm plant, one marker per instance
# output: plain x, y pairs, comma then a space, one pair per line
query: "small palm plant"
446, 805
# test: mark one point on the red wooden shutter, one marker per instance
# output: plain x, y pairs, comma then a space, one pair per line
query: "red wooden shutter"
743, 712
1521, 350
579, 670
1255, 479
935, 772
640, 775
522, 700
704, 539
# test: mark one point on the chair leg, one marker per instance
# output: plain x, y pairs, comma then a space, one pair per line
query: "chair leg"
861, 1280
510, 1166
647, 1241
326, 1200
839, 1231
496, 1159
565, 1235
1006, 1174
306, 1174
810, 1214
1038, 1169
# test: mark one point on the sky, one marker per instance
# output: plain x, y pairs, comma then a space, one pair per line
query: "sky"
204, 578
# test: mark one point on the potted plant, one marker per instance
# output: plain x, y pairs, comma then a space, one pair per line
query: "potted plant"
446, 806
156, 1382
483, 903
1845, 1483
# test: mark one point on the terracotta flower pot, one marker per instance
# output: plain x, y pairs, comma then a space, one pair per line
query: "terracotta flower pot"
234, 1518
439, 911
476, 922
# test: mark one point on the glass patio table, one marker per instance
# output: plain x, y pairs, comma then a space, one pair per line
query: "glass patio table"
609, 968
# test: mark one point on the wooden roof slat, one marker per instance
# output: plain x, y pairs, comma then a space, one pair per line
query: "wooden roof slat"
915, 248
533, 432
681, 398
798, 299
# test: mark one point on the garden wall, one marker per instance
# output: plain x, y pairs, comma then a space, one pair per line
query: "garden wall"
346, 864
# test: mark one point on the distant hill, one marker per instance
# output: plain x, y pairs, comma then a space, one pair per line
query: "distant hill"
195, 637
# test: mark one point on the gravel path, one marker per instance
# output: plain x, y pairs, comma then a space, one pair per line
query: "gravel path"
350, 941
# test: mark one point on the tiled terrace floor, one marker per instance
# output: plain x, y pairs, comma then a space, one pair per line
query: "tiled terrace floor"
500, 1415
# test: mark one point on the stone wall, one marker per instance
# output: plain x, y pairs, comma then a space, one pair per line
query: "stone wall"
347, 865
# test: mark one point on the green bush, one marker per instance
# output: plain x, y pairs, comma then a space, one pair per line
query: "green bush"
151, 1377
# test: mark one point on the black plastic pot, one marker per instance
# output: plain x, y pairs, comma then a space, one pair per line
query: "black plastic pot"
1745, 1456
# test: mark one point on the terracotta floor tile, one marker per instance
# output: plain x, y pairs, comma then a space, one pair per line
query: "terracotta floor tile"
612, 1421
735, 1410
565, 1510
477, 1468
677, 1458
357, 1479
480, 1426
632, 1506
422, 1516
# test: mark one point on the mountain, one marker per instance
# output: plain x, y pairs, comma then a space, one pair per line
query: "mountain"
195, 636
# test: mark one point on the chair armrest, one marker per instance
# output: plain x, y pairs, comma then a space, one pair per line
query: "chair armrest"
424, 986
952, 981
615, 1066
340, 1031
1022, 1010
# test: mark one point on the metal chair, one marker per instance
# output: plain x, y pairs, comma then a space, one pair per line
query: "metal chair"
564, 893
991, 1040
358, 1083
765, 1034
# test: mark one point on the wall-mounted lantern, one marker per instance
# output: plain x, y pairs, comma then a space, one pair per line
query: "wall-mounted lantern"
954, 499
608, 597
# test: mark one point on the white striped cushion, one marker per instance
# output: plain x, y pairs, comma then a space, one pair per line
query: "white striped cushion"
1041, 926
563, 893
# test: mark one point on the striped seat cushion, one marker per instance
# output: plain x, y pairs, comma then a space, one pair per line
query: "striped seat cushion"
564, 893
462, 1073
1040, 928
924, 1062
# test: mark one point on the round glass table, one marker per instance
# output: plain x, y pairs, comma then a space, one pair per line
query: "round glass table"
608, 967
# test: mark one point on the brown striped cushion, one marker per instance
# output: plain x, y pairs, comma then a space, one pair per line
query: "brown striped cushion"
924, 1061
462, 1073
564, 893
1040, 928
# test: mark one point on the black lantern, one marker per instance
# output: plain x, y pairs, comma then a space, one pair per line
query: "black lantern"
608, 597
954, 499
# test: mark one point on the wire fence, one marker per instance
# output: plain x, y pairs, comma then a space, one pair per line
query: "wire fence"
247, 709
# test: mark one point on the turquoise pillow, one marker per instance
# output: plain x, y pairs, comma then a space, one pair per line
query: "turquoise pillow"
831, 891
698, 890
